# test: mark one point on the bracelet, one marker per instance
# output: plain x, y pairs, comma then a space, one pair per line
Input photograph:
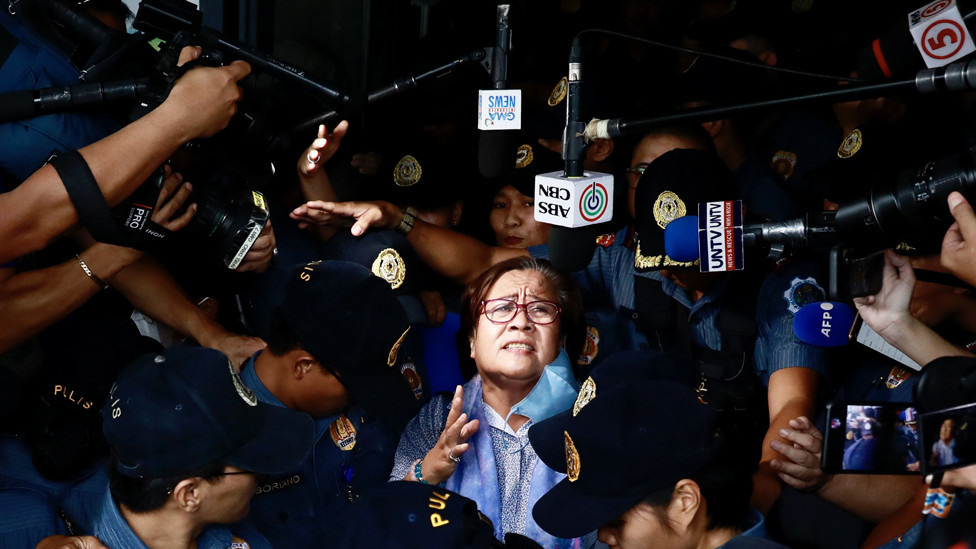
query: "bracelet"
417, 468
406, 223
94, 277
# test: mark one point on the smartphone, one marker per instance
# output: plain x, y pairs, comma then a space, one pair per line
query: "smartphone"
853, 276
871, 438
947, 438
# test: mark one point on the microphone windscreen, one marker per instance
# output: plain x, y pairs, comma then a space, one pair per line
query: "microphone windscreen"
891, 56
824, 324
572, 249
496, 152
681, 239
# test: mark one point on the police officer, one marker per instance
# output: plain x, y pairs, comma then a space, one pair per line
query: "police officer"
334, 352
189, 438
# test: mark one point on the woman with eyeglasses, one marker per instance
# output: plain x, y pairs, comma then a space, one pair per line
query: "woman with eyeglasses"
519, 317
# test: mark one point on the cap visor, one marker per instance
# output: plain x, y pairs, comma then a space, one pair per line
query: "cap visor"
282, 441
548, 441
565, 512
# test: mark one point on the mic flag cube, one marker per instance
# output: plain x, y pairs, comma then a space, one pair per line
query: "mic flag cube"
573, 202
720, 238
940, 33
500, 109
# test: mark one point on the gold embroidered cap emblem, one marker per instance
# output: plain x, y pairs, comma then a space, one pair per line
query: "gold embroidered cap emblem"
245, 392
851, 144
572, 459
559, 92
524, 156
407, 172
389, 266
667, 208
391, 360
586, 394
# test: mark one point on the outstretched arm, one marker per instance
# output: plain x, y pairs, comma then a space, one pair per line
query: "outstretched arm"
201, 103
455, 255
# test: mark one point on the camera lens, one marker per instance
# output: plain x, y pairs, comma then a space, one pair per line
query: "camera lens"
915, 204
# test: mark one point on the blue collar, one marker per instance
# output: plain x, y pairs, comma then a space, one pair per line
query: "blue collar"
250, 377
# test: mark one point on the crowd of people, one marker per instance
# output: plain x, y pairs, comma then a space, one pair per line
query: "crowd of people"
391, 351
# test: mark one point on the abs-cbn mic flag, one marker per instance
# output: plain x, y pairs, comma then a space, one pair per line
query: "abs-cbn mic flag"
720, 238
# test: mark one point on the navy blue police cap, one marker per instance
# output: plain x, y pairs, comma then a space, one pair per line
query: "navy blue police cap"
411, 515
388, 255
353, 324
622, 446
170, 413
616, 371
672, 186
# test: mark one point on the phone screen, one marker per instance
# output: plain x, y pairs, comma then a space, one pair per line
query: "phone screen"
947, 439
872, 438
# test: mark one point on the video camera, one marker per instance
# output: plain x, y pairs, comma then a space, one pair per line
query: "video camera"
228, 170
913, 206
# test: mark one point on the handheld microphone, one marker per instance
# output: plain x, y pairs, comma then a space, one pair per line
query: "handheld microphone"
499, 110
892, 55
824, 324
681, 239
816, 229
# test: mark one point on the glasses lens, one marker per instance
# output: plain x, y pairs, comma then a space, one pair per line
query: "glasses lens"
500, 310
542, 312
638, 169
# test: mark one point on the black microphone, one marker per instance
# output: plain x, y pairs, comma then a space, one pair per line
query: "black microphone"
893, 55
496, 148
960, 76
411, 81
814, 230
25, 104
573, 137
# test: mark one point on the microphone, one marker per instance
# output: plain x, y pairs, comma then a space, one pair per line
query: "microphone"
824, 324
959, 76
892, 55
814, 230
681, 239
411, 81
573, 136
572, 250
25, 104
496, 147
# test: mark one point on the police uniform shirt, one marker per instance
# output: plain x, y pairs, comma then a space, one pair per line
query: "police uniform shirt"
753, 536
291, 510
113, 531
783, 292
27, 517
607, 288
34, 64
80, 498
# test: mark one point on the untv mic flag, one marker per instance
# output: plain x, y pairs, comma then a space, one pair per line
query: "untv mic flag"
720, 240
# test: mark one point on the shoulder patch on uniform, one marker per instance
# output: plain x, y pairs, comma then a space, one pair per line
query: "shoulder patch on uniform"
591, 346
605, 240
802, 291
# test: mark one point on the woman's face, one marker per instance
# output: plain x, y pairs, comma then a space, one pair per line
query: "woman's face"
516, 351
513, 220
639, 528
945, 432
